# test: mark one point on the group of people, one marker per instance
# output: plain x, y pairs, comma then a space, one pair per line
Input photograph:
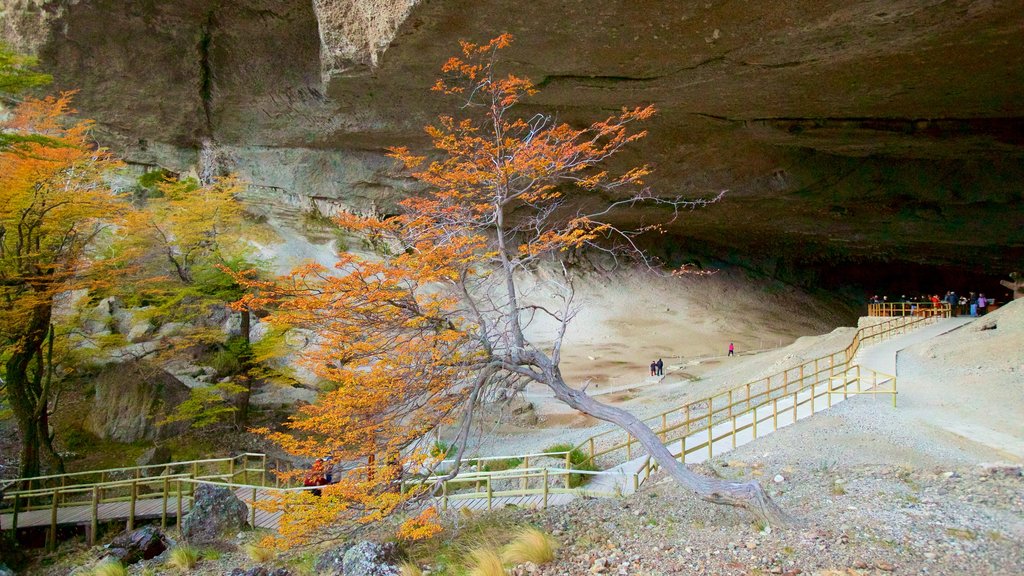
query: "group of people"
973, 304
318, 475
657, 367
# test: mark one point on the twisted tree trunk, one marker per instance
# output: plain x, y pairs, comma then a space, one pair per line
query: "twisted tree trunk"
748, 495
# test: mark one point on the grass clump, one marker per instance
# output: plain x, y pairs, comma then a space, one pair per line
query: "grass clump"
530, 545
183, 558
578, 460
110, 567
260, 554
499, 465
485, 562
409, 569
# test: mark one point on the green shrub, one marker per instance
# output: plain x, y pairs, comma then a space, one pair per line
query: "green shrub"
578, 460
441, 449
499, 465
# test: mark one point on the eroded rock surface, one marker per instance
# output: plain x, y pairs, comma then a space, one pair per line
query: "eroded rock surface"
881, 131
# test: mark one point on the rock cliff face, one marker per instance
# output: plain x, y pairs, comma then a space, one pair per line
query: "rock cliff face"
882, 131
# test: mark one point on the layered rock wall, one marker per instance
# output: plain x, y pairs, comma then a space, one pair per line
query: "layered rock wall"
878, 131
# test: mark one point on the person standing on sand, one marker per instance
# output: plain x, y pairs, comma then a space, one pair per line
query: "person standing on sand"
982, 304
654, 368
732, 349
661, 367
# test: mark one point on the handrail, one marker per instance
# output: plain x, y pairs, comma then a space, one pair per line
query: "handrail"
910, 308
139, 469
738, 399
824, 376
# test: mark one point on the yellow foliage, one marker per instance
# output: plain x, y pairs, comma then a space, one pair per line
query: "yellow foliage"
422, 526
411, 337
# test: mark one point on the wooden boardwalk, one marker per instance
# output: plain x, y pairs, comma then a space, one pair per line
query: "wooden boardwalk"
538, 487
145, 509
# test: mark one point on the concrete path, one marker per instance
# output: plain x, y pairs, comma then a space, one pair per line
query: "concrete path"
881, 357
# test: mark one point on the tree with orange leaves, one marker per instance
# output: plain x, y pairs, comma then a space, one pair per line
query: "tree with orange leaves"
56, 210
421, 336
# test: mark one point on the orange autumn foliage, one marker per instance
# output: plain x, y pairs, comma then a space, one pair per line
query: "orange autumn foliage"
57, 213
416, 337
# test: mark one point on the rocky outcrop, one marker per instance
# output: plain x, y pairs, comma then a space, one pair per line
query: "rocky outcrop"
140, 544
371, 559
131, 402
844, 132
217, 512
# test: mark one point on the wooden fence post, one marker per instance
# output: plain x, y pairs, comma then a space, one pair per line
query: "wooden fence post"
131, 506
14, 518
545, 488
163, 511
52, 536
180, 496
95, 520
490, 493
252, 510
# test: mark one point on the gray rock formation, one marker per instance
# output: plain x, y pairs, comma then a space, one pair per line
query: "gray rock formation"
844, 132
331, 562
153, 456
216, 513
140, 544
370, 559
131, 402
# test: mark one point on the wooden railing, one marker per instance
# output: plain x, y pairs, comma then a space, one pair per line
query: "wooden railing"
238, 467
923, 309
514, 483
168, 489
705, 413
172, 484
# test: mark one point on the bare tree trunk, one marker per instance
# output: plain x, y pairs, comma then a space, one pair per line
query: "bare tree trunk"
243, 398
749, 495
1017, 285
29, 399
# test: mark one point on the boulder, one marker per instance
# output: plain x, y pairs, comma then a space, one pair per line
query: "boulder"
131, 401
216, 512
139, 544
153, 456
275, 395
330, 563
371, 559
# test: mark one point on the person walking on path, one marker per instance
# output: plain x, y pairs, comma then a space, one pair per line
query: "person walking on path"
654, 368
982, 304
974, 305
661, 367
732, 349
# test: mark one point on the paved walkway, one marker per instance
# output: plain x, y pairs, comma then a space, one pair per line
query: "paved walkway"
881, 357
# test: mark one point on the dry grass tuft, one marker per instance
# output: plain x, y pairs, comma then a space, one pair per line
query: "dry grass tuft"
260, 554
409, 569
110, 567
530, 545
183, 558
485, 562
